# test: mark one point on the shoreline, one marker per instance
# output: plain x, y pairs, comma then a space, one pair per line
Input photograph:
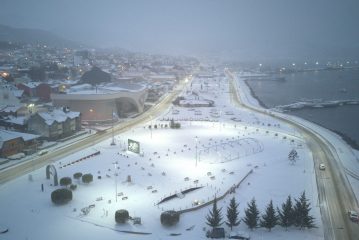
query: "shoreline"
351, 142
261, 103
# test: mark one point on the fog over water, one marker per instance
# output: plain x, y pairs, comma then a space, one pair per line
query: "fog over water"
255, 29
323, 85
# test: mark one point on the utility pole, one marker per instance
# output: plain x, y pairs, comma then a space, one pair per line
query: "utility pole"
196, 149
113, 134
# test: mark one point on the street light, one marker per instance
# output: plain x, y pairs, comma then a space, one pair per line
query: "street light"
151, 125
113, 134
196, 138
116, 179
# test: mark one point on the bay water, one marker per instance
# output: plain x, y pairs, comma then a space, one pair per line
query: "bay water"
325, 85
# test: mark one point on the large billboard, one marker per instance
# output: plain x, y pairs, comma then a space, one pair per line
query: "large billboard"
133, 146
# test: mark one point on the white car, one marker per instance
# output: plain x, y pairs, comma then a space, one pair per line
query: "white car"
42, 152
353, 216
321, 166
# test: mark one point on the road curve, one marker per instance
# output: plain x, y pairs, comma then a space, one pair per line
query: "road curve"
334, 191
25, 167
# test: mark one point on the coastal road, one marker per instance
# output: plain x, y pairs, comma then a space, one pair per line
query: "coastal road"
25, 167
334, 191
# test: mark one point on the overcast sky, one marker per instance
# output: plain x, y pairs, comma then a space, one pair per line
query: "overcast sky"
243, 27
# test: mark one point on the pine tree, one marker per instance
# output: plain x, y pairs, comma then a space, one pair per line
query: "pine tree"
214, 217
286, 214
270, 218
301, 212
232, 214
252, 215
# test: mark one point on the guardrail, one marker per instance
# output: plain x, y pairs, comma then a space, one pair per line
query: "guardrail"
230, 190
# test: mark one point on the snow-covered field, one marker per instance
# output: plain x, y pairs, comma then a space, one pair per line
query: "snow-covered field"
214, 149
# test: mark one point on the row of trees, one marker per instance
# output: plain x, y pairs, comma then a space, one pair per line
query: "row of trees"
64, 195
290, 214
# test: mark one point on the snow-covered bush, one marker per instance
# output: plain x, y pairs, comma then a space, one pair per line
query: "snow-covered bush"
77, 175
61, 196
170, 218
65, 181
87, 178
121, 216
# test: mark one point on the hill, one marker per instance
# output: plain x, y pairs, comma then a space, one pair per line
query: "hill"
33, 36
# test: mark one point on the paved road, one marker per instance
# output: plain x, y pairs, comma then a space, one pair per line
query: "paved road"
38, 162
334, 191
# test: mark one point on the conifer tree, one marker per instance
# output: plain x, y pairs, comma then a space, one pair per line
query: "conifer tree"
270, 218
214, 217
286, 213
232, 214
301, 212
251, 215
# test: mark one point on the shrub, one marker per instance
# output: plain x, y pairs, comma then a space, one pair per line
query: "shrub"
61, 196
73, 186
170, 218
121, 216
87, 178
77, 175
65, 181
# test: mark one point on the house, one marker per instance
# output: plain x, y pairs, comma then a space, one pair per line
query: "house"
19, 123
43, 91
29, 88
55, 124
12, 143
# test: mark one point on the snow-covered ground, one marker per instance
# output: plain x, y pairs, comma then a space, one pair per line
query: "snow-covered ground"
349, 157
214, 149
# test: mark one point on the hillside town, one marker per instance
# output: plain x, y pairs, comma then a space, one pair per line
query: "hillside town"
50, 94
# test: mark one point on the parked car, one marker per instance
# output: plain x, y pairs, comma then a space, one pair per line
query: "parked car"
353, 216
322, 166
42, 152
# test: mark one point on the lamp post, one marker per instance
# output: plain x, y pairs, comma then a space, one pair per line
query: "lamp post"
116, 180
113, 134
196, 138
92, 114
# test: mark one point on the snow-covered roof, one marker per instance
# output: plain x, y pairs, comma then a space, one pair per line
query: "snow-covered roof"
10, 108
16, 120
58, 116
6, 135
32, 84
105, 88
163, 77
62, 81
18, 93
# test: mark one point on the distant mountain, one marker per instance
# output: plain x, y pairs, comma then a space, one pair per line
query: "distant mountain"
25, 35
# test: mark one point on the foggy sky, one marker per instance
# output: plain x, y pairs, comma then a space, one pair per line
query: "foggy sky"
247, 28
